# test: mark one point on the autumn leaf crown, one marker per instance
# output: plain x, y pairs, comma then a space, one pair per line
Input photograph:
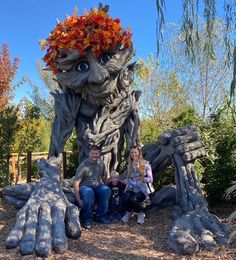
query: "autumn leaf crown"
94, 30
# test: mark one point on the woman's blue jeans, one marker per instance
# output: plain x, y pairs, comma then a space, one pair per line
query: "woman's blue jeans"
101, 194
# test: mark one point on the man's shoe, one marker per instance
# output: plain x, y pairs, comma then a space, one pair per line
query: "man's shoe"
126, 217
87, 225
103, 220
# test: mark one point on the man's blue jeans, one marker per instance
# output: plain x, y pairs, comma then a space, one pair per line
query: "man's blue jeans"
101, 194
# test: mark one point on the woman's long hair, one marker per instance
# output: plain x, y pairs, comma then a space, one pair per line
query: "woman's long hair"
141, 162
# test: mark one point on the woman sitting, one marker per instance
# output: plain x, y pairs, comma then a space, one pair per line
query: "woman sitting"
139, 175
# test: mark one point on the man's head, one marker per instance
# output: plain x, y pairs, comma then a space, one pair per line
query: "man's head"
94, 153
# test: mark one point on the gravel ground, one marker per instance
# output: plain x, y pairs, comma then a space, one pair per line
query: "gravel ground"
118, 240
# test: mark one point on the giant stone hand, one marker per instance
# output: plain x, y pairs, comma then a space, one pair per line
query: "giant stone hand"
194, 226
44, 221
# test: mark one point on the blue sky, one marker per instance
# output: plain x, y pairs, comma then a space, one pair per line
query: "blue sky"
25, 22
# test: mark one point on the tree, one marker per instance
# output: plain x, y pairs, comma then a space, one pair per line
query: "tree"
202, 85
192, 10
29, 134
8, 114
208, 80
7, 73
8, 127
40, 94
163, 95
192, 39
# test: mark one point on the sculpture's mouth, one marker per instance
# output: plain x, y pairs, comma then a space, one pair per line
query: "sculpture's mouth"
104, 90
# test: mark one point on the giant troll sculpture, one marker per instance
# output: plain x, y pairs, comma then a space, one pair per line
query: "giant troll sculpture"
91, 57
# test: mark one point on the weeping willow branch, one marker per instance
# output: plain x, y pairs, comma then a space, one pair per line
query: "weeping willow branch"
190, 26
232, 89
193, 43
160, 4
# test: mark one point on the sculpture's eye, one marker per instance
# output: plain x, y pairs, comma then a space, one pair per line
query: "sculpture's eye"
104, 58
83, 66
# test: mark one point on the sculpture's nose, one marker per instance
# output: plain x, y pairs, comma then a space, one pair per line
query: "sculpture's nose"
97, 73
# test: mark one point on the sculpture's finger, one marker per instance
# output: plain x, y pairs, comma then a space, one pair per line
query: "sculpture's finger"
59, 239
187, 138
212, 225
44, 239
27, 245
188, 147
17, 232
182, 242
224, 228
193, 155
73, 227
206, 237
183, 130
17, 195
17, 203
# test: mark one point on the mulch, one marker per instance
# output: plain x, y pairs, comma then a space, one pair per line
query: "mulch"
119, 240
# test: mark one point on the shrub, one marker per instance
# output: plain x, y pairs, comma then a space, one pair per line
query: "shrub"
8, 128
220, 166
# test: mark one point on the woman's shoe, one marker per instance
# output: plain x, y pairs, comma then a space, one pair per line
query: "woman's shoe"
126, 217
140, 219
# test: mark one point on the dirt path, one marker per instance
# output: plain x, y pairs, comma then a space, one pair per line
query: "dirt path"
118, 240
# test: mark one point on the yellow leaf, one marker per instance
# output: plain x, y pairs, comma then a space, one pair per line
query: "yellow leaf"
76, 9
43, 43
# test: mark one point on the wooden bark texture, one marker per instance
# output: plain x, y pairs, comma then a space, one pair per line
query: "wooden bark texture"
47, 218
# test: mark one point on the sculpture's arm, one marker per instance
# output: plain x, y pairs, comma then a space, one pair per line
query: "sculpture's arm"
194, 225
66, 109
131, 127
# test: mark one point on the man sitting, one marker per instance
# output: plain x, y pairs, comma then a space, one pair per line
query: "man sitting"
89, 187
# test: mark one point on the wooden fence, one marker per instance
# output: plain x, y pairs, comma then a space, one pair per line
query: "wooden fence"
14, 172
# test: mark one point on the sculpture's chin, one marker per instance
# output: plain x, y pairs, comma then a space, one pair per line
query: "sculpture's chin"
97, 102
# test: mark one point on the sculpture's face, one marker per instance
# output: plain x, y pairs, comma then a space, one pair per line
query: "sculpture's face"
88, 52
96, 78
